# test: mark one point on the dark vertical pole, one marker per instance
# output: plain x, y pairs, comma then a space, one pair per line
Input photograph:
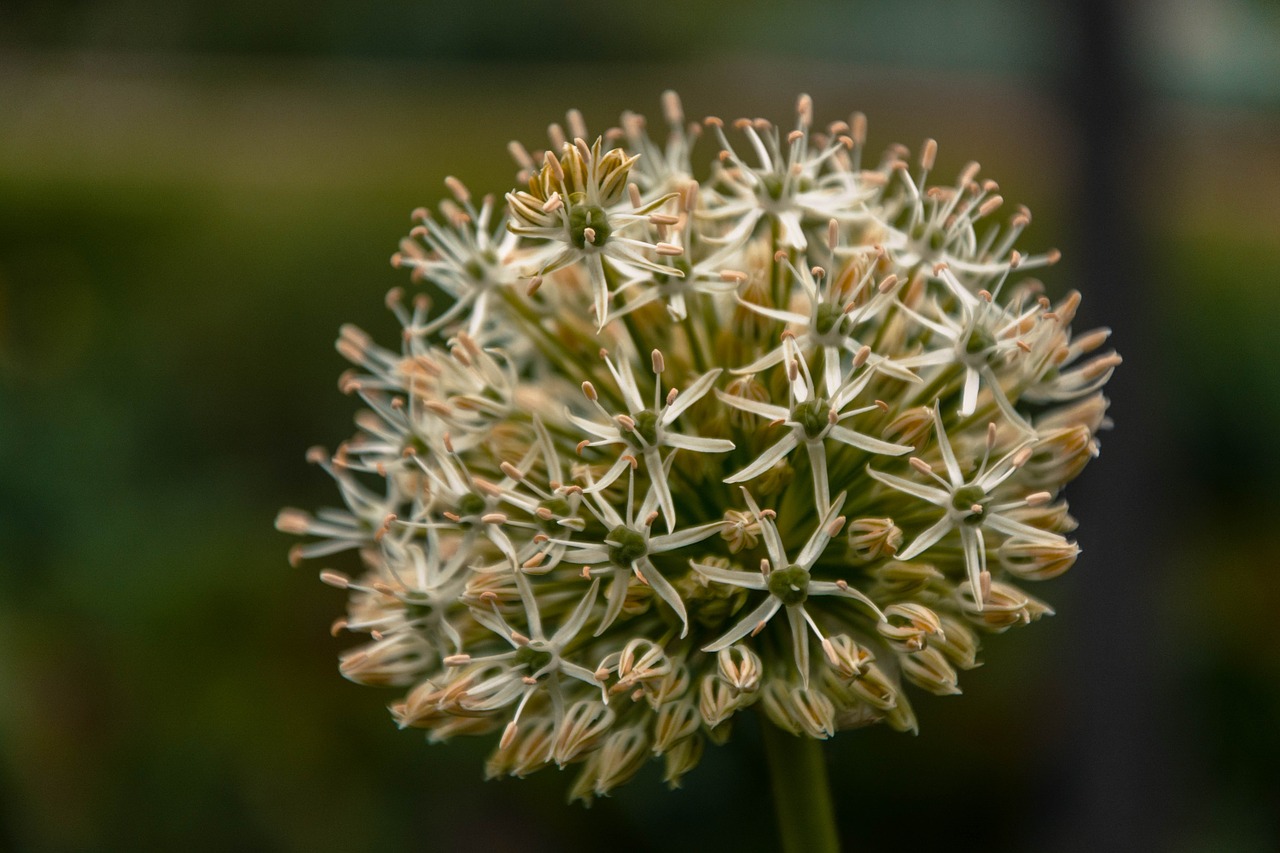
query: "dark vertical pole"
1121, 761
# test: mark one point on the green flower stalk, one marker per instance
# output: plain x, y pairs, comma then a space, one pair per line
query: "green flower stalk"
660, 445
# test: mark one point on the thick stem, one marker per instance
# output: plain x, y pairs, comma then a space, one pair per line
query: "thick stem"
801, 794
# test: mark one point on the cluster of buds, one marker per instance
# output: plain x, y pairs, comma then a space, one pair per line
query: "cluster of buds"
655, 448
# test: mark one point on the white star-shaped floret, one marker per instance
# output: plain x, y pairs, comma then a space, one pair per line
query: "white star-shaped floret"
983, 336
789, 585
644, 431
627, 548
575, 204
829, 325
466, 257
811, 420
967, 504
535, 660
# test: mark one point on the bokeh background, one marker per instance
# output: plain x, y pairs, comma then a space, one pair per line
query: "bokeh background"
193, 197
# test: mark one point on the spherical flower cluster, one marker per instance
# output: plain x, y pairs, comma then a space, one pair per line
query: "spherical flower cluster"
787, 436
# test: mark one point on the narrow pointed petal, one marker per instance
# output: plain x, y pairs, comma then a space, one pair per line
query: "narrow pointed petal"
746, 580
688, 536
690, 395
928, 538
844, 435
666, 592
571, 626
766, 460
799, 641
616, 597
944, 446
933, 495
763, 613
696, 444
764, 410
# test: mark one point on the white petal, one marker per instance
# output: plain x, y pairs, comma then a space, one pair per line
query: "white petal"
571, 626
746, 580
688, 536
697, 444
690, 395
665, 591
948, 455
764, 410
766, 460
933, 495
930, 537
763, 613
844, 435
617, 596
799, 641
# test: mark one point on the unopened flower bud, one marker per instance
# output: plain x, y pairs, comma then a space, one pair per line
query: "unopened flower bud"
741, 530
846, 657
908, 626
913, 428
676, 722
584, 723
717, 700
1005, 607
740, 667
670, 687
1036, 561
620, 757
896, 579
871, 539
681, 758
875, 688
930, 670
958, 642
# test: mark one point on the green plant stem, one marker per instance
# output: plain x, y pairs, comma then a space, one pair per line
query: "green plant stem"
801, 794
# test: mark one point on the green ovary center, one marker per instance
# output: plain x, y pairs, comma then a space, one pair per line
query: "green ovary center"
826, 317
626, 545
791, 585
582, 217
647, 426
965, 498
470, 504
533, 659
812, 415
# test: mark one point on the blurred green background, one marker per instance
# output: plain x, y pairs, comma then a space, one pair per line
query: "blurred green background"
194, 196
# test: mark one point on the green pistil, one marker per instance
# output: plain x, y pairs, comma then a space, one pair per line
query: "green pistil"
647, 426
965, 498
979, 340
791, 585
582, 217
773, 186
470, 504
626, 545
533, 659
826, 318
813, 416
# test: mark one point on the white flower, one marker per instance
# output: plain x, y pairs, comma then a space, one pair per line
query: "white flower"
786, 187
628, 548
536, 660
788, 583
644, 431
968, 505
811, 420
574, 204
830, 323
466, 257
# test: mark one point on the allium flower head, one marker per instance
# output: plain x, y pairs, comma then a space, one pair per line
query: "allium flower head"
787, 436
